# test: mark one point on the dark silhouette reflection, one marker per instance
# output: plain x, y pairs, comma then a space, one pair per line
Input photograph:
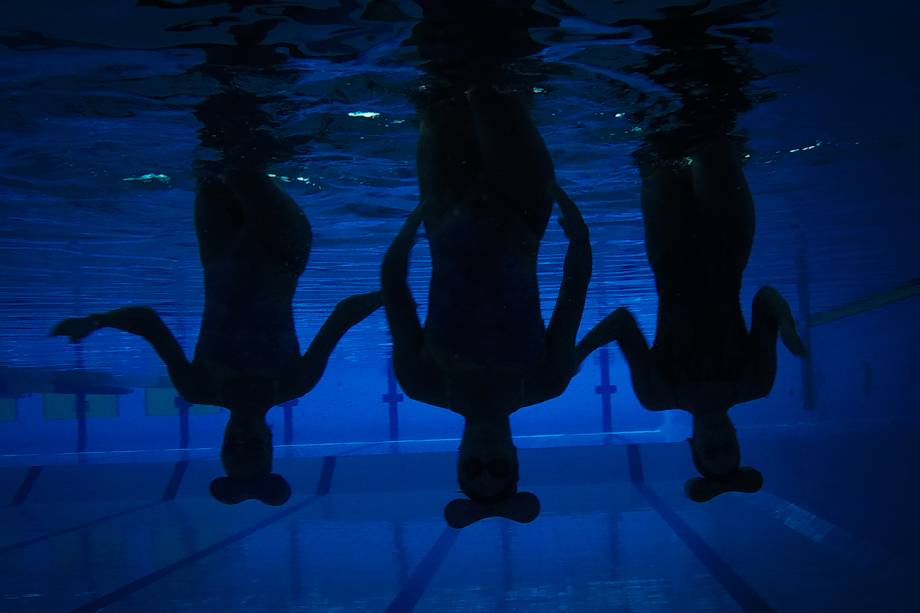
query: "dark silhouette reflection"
254, 241
487, 188
699, 227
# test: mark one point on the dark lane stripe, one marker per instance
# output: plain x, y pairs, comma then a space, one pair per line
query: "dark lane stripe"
138, 584
634, 460
82, 405
172, 487
325, 476
418, 582
175, 480
908, 290
123, 592
739, 589
87, 524
26, 486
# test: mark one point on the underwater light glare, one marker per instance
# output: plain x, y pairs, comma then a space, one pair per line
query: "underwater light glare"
817, 144
365, 114
150, 177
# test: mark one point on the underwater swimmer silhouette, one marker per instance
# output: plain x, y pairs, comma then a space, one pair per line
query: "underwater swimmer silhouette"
487, 187
254, 242
699, 226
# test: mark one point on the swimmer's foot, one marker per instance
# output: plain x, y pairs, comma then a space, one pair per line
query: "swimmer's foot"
791, 338
779, 310
77, 328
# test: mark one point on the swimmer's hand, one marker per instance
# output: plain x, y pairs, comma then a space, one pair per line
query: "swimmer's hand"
573, 224
77, 328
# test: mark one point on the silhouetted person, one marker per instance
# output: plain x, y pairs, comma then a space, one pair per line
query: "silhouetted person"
486, 188
254, 242
699, 226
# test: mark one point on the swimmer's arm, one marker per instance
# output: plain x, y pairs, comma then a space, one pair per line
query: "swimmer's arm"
771, 317
620, 326
347, 313
418, 376
144, 322
552, 378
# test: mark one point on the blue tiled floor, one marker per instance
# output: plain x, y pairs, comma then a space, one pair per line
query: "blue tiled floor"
378, 543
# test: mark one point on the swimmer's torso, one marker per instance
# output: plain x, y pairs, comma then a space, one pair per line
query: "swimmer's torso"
248, 324
484, 304
700, 340
701, 356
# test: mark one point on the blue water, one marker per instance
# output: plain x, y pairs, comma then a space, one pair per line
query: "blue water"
105, 469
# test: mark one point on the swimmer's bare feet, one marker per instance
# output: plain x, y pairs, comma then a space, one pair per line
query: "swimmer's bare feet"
77, 328
140, 320
779, 309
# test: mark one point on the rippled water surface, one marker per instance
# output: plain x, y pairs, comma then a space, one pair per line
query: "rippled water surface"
99, 136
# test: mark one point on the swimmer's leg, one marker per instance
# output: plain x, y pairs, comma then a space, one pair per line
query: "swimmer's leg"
576, 275
560, 363
143, 322
347, 313
515, 161
620, 326
770, 317
277, 224
419, 377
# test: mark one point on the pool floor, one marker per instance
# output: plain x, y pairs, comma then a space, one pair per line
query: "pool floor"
365, 533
